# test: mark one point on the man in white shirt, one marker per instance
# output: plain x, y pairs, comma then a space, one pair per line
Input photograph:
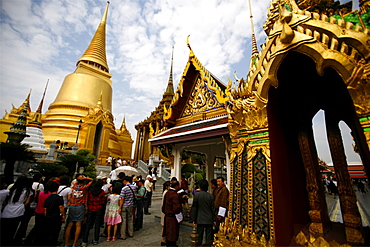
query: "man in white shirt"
148, 186
113, 176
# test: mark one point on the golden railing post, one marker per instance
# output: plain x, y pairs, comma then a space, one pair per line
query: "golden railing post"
194, 236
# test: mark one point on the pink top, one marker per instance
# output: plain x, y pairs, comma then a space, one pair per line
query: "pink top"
40, 204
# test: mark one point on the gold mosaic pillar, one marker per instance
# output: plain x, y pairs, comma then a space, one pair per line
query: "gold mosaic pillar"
251, 189
318, 208
351, 216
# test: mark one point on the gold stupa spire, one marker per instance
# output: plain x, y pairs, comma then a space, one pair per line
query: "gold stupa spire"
36, 119
254, 42
95, 54
169, 89
123, 125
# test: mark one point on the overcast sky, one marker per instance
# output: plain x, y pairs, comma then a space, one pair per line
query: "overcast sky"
43, 40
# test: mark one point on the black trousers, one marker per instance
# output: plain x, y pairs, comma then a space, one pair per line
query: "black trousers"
171, 243
200, 230
147, 202
139, 213
8, 228
52, 230
93, 218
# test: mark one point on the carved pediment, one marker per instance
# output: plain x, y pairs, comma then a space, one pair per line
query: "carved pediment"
200, 100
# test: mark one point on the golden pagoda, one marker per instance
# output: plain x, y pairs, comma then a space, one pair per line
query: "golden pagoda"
82, 110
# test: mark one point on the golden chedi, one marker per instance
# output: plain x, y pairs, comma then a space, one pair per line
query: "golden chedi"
82, 110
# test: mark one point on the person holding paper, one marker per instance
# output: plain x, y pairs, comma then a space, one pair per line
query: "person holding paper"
221, 202
172, 210
202, 213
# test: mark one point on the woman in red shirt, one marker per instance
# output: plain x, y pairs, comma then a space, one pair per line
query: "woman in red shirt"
36, 235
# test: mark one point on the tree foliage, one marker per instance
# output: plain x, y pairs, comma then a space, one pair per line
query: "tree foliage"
49, 170
198, 176
188, 167
73, 162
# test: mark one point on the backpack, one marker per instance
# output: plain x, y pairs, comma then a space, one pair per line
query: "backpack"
145, 196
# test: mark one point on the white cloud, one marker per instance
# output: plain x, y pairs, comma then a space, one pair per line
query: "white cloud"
43, 40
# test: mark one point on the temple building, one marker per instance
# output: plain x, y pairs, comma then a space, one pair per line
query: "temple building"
82, 111
315, 57
153, 124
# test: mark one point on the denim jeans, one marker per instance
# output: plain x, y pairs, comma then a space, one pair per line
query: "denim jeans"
93, 217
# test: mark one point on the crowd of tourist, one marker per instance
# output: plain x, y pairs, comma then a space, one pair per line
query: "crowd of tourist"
207, 212
117, 207
76, 206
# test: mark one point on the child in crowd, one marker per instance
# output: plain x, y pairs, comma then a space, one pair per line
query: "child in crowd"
54, 215
113, 213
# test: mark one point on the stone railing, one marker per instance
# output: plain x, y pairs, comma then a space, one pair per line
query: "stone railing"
142, 166
162, 172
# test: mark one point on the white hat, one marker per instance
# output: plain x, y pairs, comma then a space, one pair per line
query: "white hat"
148, 176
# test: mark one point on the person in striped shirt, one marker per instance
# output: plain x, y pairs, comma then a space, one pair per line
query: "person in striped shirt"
127, 202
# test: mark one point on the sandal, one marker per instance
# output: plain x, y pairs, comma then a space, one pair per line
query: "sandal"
114, 239
108, 239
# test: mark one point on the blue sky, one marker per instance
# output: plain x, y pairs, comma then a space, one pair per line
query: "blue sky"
43, 40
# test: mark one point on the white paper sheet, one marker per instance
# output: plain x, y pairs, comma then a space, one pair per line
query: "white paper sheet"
179, 217
221, 211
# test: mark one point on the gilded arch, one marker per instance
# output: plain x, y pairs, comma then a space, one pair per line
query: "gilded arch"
333, 45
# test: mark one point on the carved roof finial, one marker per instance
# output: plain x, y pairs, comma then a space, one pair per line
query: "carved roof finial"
188, 44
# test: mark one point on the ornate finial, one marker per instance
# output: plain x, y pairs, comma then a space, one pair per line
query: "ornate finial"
39, 109
123, 125
254, 42
104, 18
169, 90
235, 76
188, 44
36, 119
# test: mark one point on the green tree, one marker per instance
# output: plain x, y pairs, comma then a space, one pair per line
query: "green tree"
188, 167
49, 170
12, 152
90, 171
198, 176
73, 162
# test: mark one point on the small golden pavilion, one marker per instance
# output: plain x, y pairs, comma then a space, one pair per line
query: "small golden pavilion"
315, 57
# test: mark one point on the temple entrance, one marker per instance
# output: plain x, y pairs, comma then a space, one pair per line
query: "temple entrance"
299, 198
97, 138
215, 157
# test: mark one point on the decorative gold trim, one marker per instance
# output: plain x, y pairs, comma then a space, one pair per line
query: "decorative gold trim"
232, 234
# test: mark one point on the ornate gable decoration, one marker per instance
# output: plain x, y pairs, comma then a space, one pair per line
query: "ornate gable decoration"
206, 94
201, 99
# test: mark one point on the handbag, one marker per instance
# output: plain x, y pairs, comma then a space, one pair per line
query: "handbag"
33, 204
